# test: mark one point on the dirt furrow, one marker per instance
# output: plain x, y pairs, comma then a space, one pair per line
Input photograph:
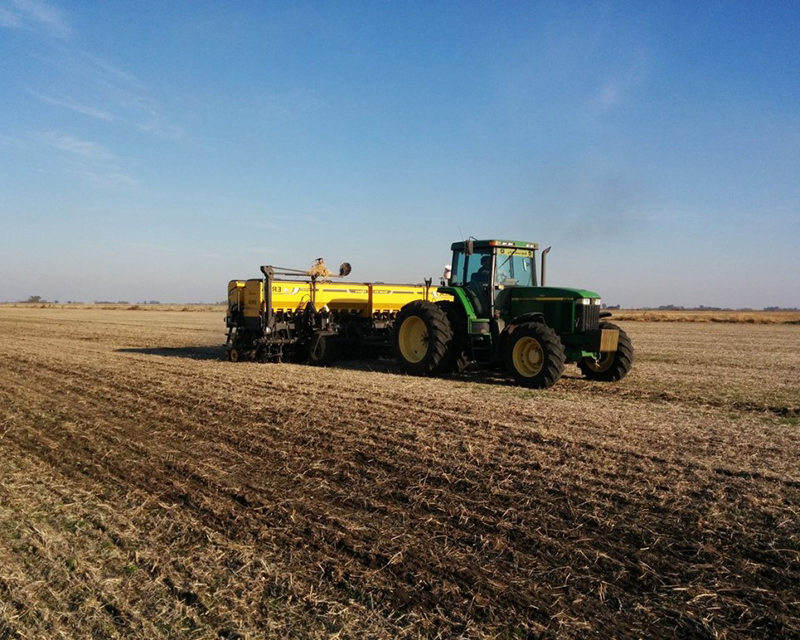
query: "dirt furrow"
181, 496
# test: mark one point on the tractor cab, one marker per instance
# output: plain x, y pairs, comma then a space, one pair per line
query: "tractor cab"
486, 270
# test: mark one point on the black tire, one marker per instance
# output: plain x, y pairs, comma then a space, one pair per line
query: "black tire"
613, 366
534, 355
457, 358
322, 351
422, 338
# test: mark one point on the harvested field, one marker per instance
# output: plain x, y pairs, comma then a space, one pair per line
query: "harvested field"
149, 489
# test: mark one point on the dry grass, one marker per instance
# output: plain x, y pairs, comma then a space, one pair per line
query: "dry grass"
149, 489
728, 317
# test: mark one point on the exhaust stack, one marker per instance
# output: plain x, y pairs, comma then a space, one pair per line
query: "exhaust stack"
544, 265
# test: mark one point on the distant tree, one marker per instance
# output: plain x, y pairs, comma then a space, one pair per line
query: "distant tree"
34, 299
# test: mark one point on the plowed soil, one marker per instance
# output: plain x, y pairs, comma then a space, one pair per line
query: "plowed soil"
149, 489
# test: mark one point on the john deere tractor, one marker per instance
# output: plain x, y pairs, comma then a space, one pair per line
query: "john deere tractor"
501, 314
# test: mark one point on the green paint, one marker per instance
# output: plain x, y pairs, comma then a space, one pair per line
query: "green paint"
508, 303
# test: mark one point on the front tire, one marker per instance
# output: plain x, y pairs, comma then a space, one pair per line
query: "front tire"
422, 338
535, 356
612, 366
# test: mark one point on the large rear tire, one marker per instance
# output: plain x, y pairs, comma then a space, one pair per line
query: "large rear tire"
535, 356
612, 366
422, 338
457, 358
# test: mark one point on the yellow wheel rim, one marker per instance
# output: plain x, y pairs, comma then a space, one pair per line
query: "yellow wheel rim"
413, 339
233, 355
603, 363
528, 357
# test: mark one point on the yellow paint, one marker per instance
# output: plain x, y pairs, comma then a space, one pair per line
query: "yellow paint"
365, 299
520, 253
413, 339
528, 356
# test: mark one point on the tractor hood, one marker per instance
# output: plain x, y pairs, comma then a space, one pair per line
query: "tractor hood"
551, 294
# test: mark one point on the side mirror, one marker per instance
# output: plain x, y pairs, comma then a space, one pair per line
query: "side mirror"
344, 269
469, 247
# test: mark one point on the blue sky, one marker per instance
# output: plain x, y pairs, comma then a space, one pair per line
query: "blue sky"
153, 150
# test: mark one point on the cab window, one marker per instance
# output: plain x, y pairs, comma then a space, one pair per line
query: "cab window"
516, 267
479, 269
457, 270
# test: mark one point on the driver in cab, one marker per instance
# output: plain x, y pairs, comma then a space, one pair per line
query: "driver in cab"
483, 275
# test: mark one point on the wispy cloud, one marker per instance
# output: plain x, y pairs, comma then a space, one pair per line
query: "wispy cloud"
88, 160
71, 144
110, 71
115, 95
108, 180
619, 84
127, 95
34, 15
161, 129
17, 143
9, 19
83, 109
609, 95
289, 104
101, 90
89, 85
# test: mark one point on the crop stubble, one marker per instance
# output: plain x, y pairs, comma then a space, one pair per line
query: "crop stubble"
149, 489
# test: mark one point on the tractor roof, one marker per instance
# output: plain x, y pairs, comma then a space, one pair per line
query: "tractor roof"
485, 244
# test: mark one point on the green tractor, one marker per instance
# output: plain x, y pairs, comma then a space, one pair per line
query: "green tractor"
500, 315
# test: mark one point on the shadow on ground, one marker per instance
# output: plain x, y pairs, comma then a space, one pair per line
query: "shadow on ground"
193, 353
377, 365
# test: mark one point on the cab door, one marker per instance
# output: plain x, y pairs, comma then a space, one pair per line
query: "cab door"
479, 282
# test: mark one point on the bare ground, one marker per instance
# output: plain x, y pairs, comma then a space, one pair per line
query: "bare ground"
149, 489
